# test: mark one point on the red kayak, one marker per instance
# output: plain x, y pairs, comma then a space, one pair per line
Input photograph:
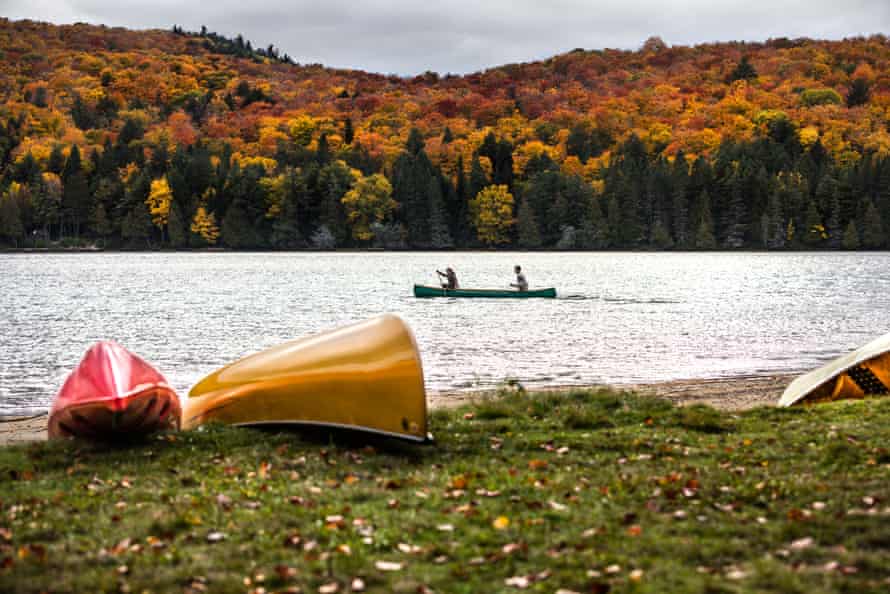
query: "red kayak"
113, 394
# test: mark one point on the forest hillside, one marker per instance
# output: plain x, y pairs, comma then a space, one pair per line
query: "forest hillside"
155, 138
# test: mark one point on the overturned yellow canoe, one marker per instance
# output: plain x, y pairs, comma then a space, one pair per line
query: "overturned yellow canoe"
365, 376
864, 372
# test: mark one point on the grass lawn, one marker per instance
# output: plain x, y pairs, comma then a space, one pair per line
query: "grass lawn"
580, 491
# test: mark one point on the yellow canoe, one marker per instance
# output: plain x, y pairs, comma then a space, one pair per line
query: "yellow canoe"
863, 372
366, 376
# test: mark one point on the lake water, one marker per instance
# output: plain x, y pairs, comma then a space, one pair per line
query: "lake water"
619, 318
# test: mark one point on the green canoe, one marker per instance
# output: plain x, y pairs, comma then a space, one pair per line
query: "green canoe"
424, 291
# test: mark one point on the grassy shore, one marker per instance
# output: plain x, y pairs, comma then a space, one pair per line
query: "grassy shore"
578, 491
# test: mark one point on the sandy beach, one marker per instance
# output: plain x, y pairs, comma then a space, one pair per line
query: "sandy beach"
737, 393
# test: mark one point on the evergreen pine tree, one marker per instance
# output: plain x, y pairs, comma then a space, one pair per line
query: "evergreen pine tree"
56, 162
851, 237
237, 230
527, 226
11, 227
735, 225
744, 70
704, 234
334, 180
859, 92
286, 228
814, 229
680, 212
660, 236
136, 225
613, 220
178, 226
833, 224
410, 182
461, 224
872, 227
76, 201
440, 237
323, 154
101, 224
478, 178
774, 237
348, 132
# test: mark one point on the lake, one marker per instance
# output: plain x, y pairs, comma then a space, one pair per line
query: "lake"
619, 318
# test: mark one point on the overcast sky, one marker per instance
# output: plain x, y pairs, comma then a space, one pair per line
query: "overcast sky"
411, 36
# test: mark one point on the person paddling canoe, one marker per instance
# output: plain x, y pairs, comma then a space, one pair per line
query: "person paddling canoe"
450, 278
521, 283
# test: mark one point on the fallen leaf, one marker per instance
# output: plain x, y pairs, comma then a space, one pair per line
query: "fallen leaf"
537, 464
501, 523
38, 551
285, 572
801, 544
518, 581
510, 548
459, 482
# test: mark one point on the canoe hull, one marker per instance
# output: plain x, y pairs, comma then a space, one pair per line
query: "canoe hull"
426, 291
113, 394
366, 376
863, 372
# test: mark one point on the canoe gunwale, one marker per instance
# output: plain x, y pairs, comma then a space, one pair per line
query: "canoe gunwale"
426, 440
426, 291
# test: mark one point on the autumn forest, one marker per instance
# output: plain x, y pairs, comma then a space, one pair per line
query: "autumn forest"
147, 139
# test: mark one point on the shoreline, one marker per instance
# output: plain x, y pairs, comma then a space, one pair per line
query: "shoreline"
725, 394
360, 250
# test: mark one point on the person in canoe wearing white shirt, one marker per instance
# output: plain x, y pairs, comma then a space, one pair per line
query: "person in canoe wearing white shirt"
450, 279
521, 283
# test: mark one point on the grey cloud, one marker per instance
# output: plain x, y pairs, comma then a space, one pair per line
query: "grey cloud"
410, 36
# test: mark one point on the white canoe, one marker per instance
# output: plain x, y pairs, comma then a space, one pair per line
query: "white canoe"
864, 372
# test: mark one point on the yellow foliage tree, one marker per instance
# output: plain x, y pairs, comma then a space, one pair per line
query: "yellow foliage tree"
808, 136
204, 225
369, 201
301, 129
492, 212
158, 202
275, 188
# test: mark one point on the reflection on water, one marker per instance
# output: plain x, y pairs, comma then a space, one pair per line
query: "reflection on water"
619, 318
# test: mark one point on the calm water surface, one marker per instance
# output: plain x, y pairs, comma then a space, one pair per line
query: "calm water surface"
619, 318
